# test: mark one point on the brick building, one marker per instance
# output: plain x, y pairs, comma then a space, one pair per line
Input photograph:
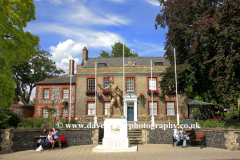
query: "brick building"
58, 90
137, 77
22, 108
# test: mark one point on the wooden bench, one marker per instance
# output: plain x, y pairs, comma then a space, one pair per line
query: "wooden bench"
39, 142
200, 137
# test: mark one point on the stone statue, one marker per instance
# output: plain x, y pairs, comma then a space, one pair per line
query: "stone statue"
116, 96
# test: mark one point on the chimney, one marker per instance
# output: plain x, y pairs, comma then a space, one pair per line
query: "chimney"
70, 67
85, 54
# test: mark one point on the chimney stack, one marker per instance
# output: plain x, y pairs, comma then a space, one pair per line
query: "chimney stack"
85, 54
70, 67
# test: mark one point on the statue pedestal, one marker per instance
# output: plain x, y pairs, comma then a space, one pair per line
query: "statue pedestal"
115, 137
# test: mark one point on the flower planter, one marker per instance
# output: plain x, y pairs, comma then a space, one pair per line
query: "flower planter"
155, 92
90, 92
100, 95
105, 92
142, 98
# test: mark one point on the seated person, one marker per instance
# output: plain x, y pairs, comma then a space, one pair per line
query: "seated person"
191, 136
43, 136
177, 134
57, 137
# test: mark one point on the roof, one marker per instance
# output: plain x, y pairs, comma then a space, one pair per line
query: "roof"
196, 102
58, 80
118, 61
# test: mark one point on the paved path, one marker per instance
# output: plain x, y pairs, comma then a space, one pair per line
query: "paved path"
147, 151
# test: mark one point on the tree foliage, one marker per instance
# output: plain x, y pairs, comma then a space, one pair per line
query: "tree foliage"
206, 35
117, 51
35, 69
16, 45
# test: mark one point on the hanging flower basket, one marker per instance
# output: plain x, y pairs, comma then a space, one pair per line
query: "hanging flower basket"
161, 95
142, 98
170, 91
89, 92
65, 103
105, 92
154, 92
100, 95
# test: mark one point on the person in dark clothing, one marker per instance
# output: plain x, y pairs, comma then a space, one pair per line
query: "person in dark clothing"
43, 136
191, 136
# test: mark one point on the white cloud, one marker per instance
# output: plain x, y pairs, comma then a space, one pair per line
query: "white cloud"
57, 2
81, 15
64, 64
148, 47
117, 0
153, 2
66, 49
91, 38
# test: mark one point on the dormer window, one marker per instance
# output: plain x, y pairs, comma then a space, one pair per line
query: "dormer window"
158, 63
101, 64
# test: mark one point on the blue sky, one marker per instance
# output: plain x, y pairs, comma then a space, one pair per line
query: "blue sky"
66, 26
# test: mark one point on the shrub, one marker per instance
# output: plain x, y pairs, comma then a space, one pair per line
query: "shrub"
14, 120
9, 119
214, 123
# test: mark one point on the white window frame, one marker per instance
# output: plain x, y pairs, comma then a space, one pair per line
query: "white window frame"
90, 108
65, 93
155, 108
107, 108
44, 113
130, 84
106, 82
101, 64
45, 95
170, 107
91, 84
64, 112
149, 79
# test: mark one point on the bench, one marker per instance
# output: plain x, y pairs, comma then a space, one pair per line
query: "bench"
39, 142
200, 137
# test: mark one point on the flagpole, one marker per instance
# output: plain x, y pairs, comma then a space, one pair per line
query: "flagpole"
152, 96
176, 86
124, 112
70, 92
95, 117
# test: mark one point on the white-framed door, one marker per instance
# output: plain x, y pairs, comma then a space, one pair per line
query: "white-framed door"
130, 102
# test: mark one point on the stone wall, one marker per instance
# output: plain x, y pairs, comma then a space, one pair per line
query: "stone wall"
13, 140
216, 138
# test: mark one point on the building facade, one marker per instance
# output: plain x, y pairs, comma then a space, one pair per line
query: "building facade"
136, 81
56, 90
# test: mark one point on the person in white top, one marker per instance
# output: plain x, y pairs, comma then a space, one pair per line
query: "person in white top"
50, 138
177, 134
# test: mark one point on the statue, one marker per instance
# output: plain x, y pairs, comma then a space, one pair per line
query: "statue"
116, 96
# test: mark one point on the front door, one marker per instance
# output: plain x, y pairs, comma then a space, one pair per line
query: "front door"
130, 111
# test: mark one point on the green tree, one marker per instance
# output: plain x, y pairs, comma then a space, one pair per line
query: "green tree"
16, 45
117, 51
206, 37
35, 69
104, 54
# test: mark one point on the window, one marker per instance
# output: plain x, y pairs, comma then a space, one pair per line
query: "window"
101, 64
153, 79
44, 113
170, 108
130, 84
158, 63
65, 92
106, 82
91, 84
64, 112
107, 108
46, 93
154, 108
91, 108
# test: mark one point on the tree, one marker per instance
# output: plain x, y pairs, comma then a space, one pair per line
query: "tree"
104, 54
117, 51
15, 45
36, 69
206, 37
